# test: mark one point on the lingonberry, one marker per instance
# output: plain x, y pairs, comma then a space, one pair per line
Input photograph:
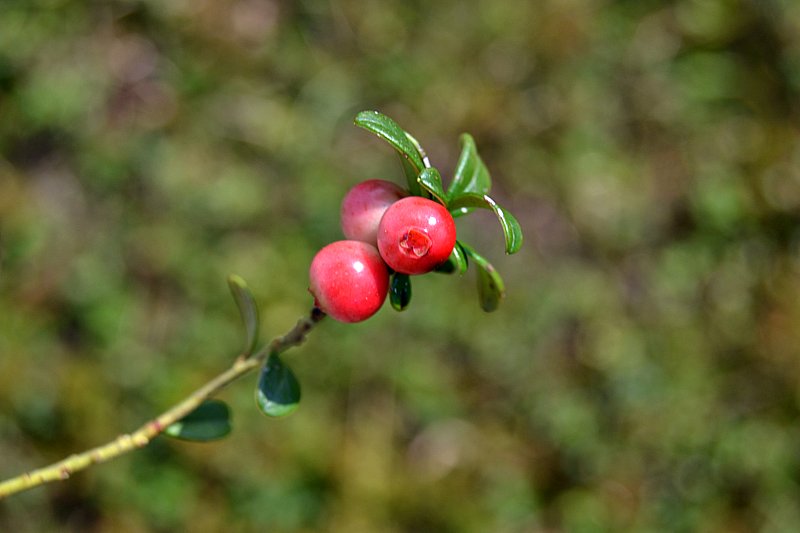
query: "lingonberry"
349, 280
364, 205
415, 235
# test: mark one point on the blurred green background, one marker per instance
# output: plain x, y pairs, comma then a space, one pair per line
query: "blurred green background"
643, 373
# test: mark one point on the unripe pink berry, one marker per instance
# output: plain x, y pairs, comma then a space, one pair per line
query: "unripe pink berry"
349, 280
364, 205
416, 235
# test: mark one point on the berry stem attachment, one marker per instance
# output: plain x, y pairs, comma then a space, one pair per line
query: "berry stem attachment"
63, 469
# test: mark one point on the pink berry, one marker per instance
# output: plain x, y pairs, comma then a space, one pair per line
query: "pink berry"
364, 205
349, 280
415, 235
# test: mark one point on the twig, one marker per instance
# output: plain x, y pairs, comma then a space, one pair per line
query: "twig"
141, 437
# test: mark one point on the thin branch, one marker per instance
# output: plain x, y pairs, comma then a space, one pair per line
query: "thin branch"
141, 437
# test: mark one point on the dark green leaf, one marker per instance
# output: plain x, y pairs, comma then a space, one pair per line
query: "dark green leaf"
431, 181
448, 267
411, 176
511, 228
456, 262
471, 175
491, 288
400, 291
210, 421
278, 391
247, 309
388, 130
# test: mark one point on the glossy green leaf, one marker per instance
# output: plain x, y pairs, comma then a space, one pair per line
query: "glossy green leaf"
388, 130
491, 288
247, 309
471, 174
461, 211
431, 181
400, 291
457, 262
278, 391
421, 151
511, 228
459, 257
210, 421
448, 267
411, 176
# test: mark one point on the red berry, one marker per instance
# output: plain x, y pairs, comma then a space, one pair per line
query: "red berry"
364, 205
349, 280
415, 235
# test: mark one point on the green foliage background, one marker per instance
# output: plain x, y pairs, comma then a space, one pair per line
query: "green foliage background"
643, 373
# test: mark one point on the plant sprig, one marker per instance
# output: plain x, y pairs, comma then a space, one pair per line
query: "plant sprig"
468, 190
200, 417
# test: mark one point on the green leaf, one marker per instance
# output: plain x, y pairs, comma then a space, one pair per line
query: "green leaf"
461, 211
400, 291
278, 391
210, 421
388, 130
247, 309
511, 228
420, 150
459, 256
456, 262
471, 175
431, 181
411, 176
491, 288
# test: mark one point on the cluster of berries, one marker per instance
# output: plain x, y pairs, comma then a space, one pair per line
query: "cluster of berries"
385, 229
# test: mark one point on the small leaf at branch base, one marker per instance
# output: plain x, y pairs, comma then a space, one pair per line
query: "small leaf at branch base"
471, 175
278, 391
210, 421
400, 291
247, 309
512, 231
431, 181
491, 288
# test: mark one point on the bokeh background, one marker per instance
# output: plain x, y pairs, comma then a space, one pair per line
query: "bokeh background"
643, 373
